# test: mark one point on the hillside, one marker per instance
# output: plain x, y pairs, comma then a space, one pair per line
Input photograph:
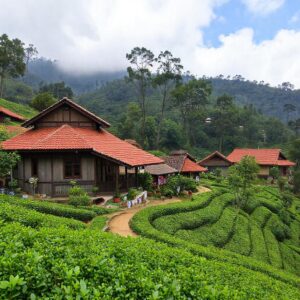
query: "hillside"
262, 231
22, 109
47, 254
267, 99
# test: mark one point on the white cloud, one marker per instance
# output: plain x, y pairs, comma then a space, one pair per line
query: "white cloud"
295, 18
273, 61
94, 35
263, 7
89, 35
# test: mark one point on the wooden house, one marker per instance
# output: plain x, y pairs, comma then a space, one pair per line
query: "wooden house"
184, 163
265, 158
66, 142
216, 160
160, 173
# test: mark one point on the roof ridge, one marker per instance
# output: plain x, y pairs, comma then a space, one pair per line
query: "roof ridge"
56, 131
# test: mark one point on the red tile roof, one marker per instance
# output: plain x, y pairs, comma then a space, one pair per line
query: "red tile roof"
190, 166
262, 156
66, 137
11, 114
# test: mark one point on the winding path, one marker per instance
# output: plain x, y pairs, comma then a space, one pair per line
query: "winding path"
119, 222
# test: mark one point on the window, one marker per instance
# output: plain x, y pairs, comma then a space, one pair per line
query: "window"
34, 167
72, 167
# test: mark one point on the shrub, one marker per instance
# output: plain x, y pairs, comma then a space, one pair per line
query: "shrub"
185, 184
56, 209
281, 231
166, 191
145, 180
82, 200
78, 197
27, 217
287, 199
132, 193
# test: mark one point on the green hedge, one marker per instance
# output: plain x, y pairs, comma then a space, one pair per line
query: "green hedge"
216, 234
170, 219
259, 250
141, 224
240, 241
51, 208
34, 219
66, 264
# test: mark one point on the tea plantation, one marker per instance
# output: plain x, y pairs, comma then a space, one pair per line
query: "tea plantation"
263, 231
47, 252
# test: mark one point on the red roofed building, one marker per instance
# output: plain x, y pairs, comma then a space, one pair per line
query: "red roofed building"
66, 142
265, 158
7, 114
184, 163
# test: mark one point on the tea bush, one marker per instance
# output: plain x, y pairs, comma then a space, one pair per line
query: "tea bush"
78, 197
211, 221
66, 264
56, 209
34, 219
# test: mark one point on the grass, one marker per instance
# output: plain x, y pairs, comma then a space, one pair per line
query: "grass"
23, 110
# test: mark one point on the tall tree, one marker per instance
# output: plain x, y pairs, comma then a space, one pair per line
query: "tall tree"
288, 108
191, 98
141, 60
224, 118
11, 59
30, 52
42, 101
57, 89
168, 75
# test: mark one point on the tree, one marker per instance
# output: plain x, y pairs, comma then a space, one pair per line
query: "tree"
274, 173
42, 101
224, 118
241, 178
168, 75
191, 98
8, 160
30, 52
11, 59
288, 109
58, 90
139, 73
294, 152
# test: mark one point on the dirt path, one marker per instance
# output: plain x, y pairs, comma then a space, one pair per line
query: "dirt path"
119, 222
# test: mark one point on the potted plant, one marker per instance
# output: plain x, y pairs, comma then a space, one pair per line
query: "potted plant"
117, 197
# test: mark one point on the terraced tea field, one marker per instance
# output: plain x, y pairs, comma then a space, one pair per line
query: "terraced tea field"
263, 230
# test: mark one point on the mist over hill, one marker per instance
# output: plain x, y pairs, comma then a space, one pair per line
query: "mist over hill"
112, 88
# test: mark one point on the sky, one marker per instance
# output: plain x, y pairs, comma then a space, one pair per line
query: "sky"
258, 39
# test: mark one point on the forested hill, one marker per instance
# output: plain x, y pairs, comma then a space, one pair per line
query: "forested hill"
266, 99
282, 103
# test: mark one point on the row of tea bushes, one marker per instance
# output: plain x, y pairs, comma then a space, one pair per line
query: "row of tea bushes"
51, 208
59, 263
34, 219
142, 224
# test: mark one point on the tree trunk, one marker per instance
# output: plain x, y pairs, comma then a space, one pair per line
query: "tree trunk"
162, 115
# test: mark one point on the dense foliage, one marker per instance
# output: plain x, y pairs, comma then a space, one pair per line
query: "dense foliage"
62, 263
